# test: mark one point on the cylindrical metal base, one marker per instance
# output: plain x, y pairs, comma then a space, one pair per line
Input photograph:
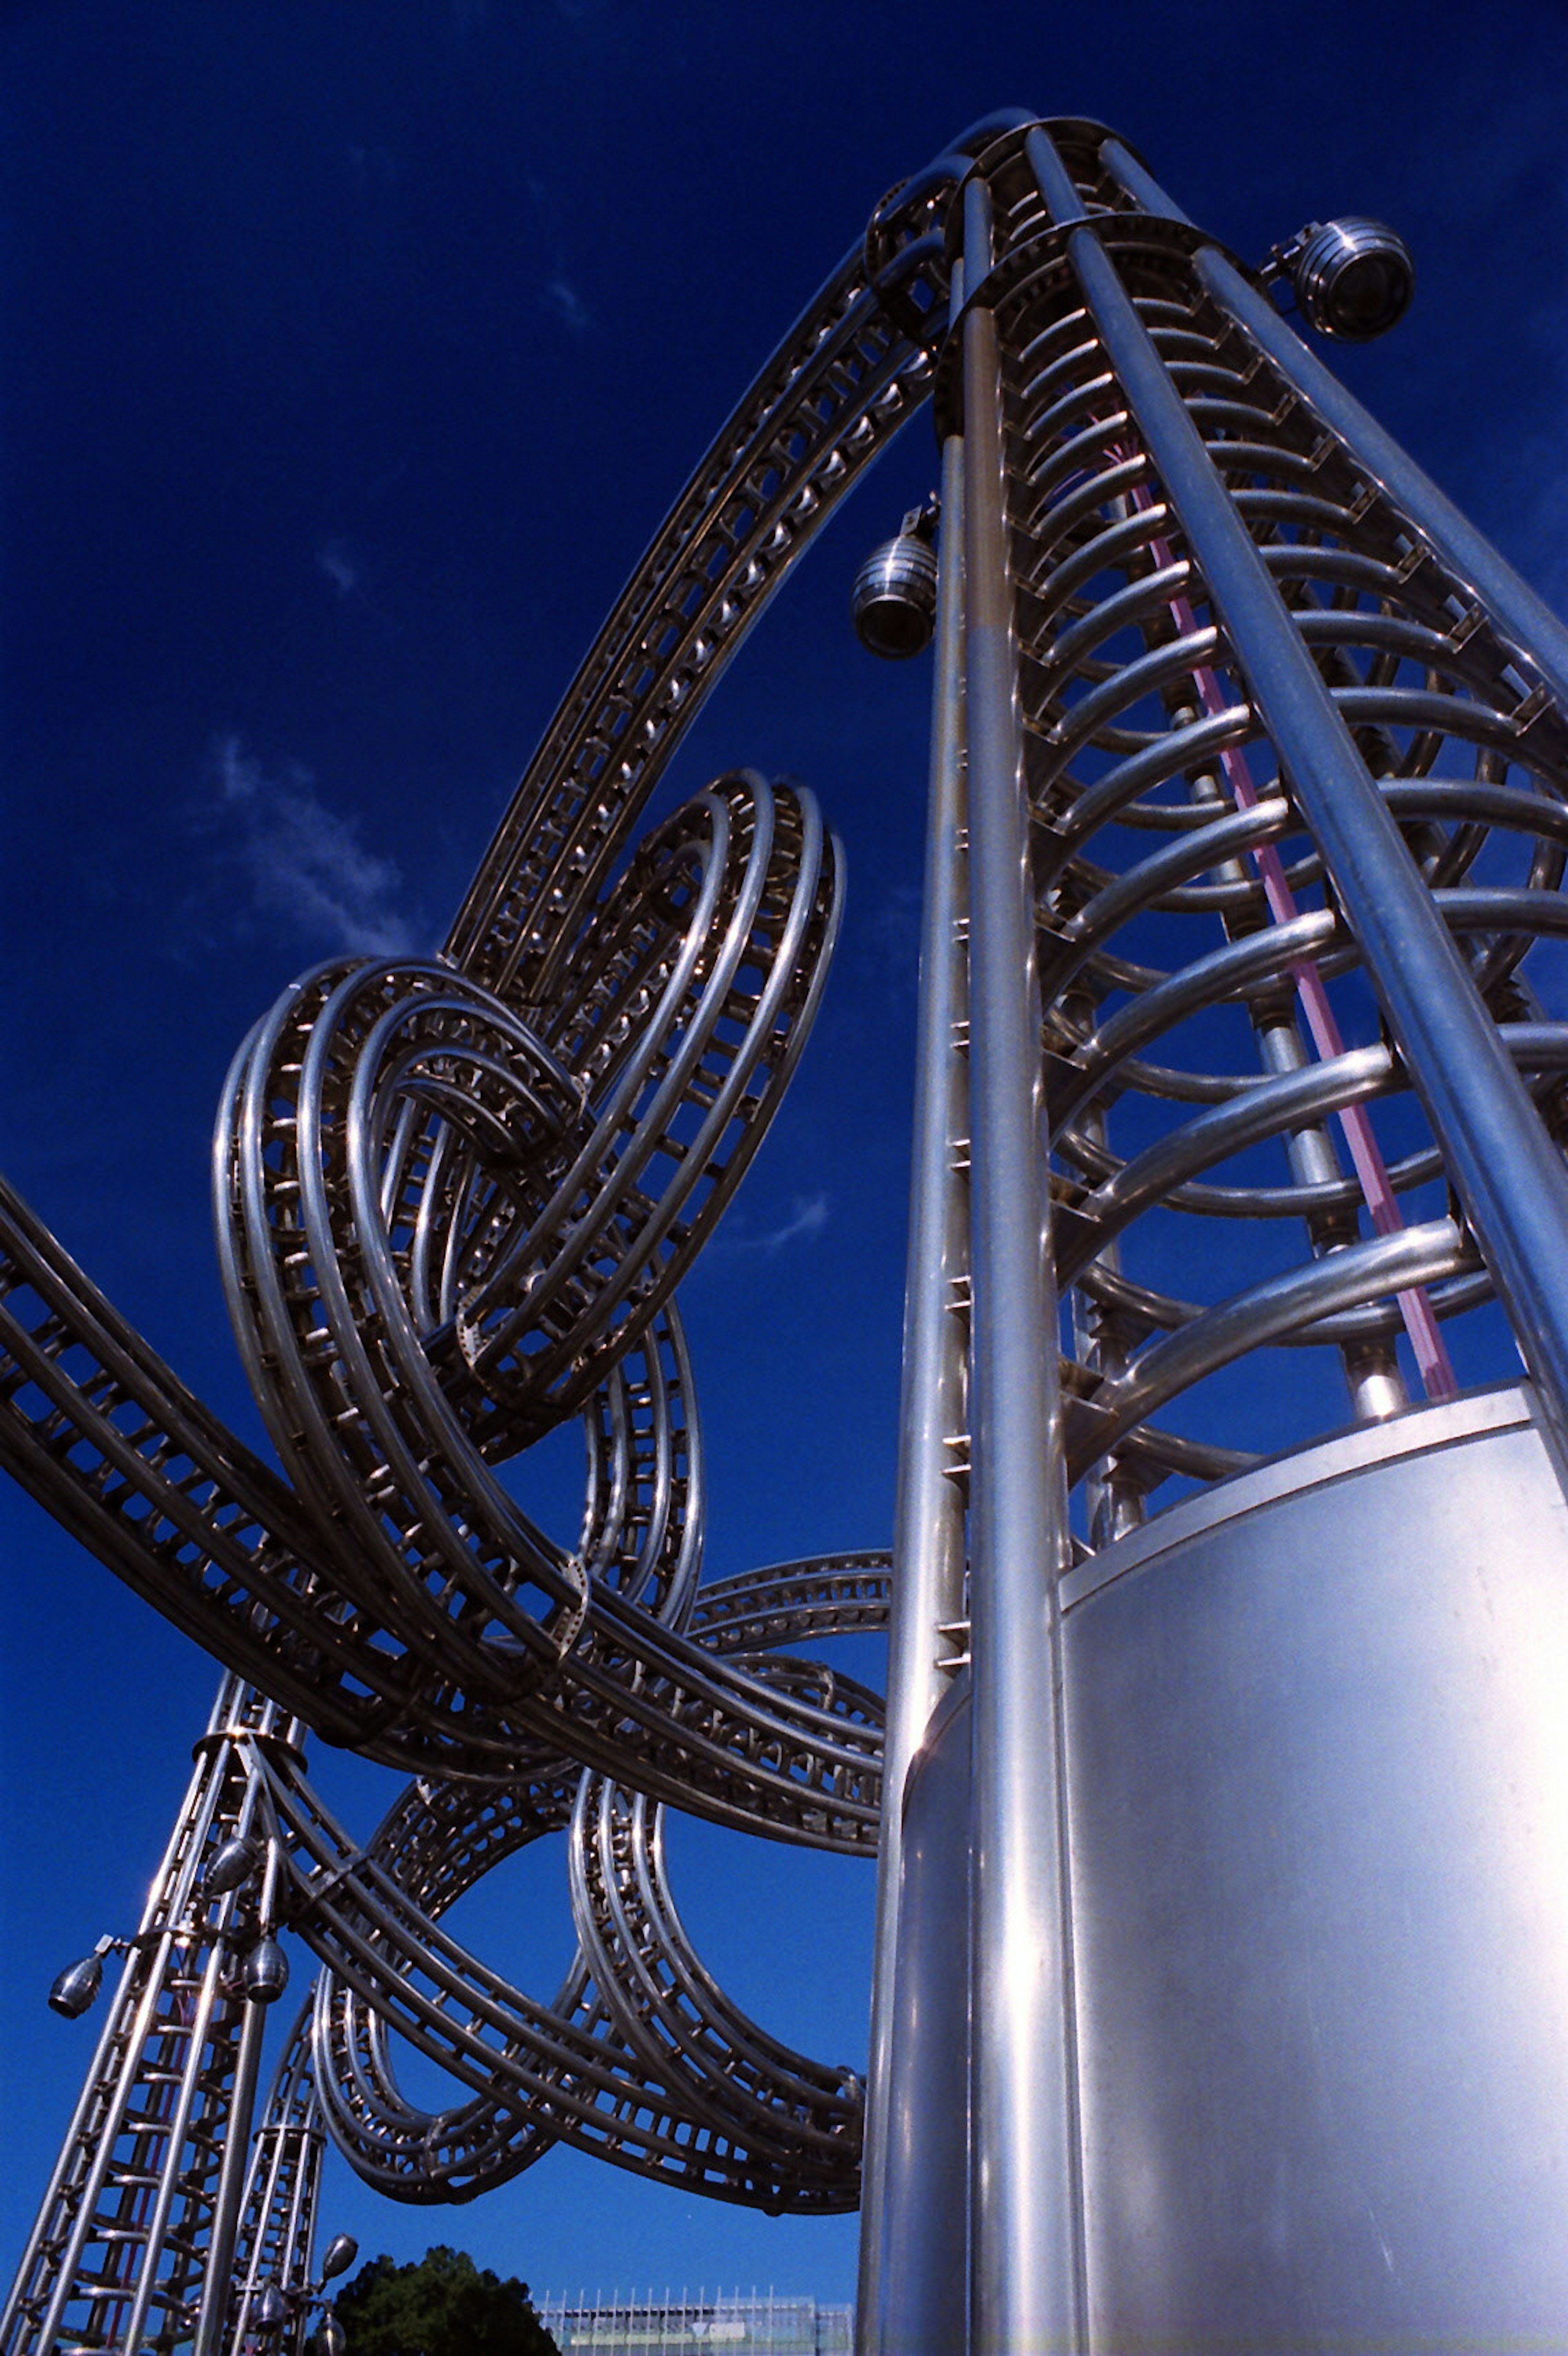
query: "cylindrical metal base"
1318, 1762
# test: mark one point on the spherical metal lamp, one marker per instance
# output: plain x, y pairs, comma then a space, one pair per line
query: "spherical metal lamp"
232, 1866
1353, 278
894, 601
265, 1974
76, 1987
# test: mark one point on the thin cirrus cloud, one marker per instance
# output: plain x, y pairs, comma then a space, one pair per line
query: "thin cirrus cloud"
568, 305
808, 1217
333, 559
305, 864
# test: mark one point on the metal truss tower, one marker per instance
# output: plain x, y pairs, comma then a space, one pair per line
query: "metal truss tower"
135, 2241
1222, 1950
1217, 1932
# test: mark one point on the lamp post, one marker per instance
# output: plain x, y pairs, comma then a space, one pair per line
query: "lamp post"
275, 2308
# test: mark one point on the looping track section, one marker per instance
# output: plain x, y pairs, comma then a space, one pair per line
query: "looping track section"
455, 1198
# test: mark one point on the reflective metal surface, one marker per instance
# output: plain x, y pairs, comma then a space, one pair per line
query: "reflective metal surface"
76, 1989
894, 601
1249, 782
922, 2221
1321, 1911
928, 1610
1263, 717
1353, 278
1024, 2277
1321, 1922
133, 2240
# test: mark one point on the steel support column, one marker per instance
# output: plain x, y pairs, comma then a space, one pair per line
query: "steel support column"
1254, 727
1025, 2266
928, 1596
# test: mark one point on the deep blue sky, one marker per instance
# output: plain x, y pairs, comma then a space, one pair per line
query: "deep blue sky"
352, 354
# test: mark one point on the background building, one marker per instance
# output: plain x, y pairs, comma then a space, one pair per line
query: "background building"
685, 2326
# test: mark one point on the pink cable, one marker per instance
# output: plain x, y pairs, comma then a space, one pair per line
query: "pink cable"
1433, 1362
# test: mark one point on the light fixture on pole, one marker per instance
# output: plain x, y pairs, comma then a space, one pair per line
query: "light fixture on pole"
894, 601
1353, 278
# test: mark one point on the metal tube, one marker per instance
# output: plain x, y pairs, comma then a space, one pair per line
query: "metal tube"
1139, 181
1525, 619
148, 2281
1366, 1156
68, 2262
218, 2284
1508, 1172
1344, 1279
929, 1514
1027, 2265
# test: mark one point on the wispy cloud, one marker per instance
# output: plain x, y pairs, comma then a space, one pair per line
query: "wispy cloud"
895, 926
304, 862
334, 560
808, 1217
568, 305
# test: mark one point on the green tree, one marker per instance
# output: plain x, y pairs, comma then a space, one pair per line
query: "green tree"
444, 2306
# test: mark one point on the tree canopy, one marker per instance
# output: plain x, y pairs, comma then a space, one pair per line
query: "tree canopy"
444, 2306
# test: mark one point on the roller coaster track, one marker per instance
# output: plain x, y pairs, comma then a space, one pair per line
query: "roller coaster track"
635, 1106
453, 1202
456, 1198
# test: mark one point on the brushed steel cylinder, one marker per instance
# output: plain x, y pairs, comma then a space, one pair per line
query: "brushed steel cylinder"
1318, 1788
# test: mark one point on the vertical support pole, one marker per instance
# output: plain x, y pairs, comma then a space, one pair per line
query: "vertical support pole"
1507, 1171
929, 1514
153, 2168
218, 2286
277, 2215
1026, 2268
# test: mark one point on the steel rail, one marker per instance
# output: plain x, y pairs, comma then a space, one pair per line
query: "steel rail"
1207, 603
583, 2079
1025, 2275
1511, 1178
853, 368
276, 2232
1266, 1312
144, 2188
187, 1547
435, 1845
772, 478
929, 1537
1534, 632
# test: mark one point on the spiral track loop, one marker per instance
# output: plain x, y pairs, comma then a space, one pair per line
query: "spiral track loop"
639, 2057
455, 1195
